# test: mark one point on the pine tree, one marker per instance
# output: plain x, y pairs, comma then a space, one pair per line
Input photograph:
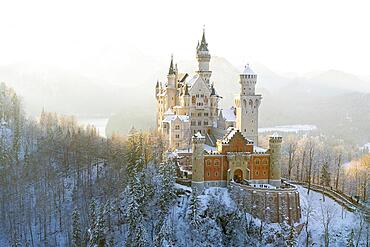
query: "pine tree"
100, 229
76, 230
350, 239
136, 192
93, 238
193, 207
168, 173
325, 175
291, 240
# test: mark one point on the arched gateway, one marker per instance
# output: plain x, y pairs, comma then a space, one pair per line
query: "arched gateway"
238, 175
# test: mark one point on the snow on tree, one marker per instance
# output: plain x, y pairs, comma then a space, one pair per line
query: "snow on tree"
350, 239
76, 229
291, 240
193, 209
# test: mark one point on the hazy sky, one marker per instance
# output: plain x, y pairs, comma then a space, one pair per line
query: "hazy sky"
286, 36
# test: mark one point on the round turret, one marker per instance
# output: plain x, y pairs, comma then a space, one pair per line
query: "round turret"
275, 159
198, 142
248, 80
247, 104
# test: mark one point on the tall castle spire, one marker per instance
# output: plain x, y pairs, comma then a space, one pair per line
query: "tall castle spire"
171, 71
203, 57
203, 43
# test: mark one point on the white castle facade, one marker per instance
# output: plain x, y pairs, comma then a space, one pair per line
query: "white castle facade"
190, 104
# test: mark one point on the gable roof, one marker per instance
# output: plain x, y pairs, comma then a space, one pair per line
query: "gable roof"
168, 112
228, 114
197, 80
171, 118
231, 133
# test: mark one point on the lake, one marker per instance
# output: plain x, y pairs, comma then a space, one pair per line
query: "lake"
289, 128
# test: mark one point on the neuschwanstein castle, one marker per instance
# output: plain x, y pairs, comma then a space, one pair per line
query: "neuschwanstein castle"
216, 145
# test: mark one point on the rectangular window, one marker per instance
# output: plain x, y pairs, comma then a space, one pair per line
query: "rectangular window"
199, 123
177, 127
177, 136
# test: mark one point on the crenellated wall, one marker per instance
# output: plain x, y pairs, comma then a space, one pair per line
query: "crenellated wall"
270, 205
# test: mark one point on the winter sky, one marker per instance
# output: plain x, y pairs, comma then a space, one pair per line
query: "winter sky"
285, 35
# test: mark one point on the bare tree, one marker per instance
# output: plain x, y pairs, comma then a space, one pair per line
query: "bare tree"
327, 215
291, 151
311, 153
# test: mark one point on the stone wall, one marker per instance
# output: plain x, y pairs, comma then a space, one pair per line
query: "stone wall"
270, 205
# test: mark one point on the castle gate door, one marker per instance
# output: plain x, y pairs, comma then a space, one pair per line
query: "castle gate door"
238, 176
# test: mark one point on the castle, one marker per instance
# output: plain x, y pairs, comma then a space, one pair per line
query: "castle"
222, 143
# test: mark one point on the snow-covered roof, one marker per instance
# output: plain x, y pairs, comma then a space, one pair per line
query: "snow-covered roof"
171, 118
209, 148
199, 135
257, 149
184, 151
229, 114
192, 80
275, 135
230, 132
168, 112
248, 71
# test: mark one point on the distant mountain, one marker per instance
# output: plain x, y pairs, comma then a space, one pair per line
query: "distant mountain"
120, 85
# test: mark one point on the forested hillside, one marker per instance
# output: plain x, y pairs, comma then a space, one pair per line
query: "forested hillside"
63, 185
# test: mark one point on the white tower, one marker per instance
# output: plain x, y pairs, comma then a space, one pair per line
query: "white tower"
171, 86
203, 57
247, 105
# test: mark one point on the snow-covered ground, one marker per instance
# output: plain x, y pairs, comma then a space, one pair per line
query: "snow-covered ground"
342, 221
289, 128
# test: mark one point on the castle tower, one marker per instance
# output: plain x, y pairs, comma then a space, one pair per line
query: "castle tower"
198, 161
214, 105
203, 58
171, 86
275, 162
247, 105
